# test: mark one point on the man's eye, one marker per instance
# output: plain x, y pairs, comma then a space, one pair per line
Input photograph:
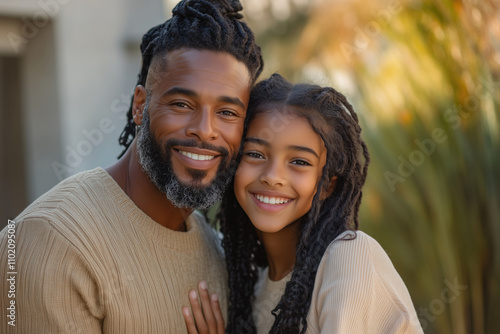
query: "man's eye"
180, 105
228, 113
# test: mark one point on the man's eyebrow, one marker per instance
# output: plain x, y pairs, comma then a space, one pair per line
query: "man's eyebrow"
191, 93
304, 149
180, 91
256, 141
231, 100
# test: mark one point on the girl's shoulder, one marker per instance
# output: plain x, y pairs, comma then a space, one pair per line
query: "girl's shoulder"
357, 280
357, 257
354, 248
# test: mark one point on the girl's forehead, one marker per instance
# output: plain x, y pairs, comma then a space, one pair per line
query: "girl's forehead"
280, 113
282, 123
275, 119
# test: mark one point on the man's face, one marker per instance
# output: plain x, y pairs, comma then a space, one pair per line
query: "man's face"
191, 124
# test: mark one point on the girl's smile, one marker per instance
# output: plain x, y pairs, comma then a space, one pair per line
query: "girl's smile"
278, 175
272, 202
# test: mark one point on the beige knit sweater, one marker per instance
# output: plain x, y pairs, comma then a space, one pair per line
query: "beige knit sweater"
88, 260
357, 290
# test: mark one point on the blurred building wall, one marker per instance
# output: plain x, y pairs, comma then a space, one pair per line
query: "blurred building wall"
75, 63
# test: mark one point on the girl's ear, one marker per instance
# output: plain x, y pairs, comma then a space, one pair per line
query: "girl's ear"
329, 190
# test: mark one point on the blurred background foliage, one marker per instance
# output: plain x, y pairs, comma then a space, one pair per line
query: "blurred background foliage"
424, 76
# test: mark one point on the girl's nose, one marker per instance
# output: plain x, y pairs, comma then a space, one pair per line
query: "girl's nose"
273, 175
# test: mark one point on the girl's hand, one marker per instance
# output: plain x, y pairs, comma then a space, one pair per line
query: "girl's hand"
207, 316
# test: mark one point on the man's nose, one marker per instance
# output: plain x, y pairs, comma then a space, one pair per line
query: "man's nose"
203, 126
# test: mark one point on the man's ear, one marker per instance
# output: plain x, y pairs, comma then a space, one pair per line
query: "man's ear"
140, 97
329, 190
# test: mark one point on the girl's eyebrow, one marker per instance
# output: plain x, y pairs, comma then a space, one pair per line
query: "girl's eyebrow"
256, 141
291, 147
304, 149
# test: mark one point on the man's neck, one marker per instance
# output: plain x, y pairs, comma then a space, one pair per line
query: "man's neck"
127, 172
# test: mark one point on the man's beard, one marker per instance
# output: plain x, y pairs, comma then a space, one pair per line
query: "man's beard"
158, 166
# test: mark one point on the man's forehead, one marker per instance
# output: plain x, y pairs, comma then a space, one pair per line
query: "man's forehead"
198, 60
189, 68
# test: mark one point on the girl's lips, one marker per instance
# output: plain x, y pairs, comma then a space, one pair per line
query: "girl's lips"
272, 199
277, 206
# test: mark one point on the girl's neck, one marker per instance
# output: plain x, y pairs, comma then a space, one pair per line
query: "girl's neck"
280, 250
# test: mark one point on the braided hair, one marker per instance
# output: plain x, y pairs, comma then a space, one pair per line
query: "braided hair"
334, 120
213, 25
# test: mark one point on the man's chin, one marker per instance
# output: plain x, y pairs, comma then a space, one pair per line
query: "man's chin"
196, 181
195, 186
193, 195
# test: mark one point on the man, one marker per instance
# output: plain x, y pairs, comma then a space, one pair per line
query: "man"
117, 250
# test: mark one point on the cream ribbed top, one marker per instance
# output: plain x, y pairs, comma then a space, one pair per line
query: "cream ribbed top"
88, 260
357, 290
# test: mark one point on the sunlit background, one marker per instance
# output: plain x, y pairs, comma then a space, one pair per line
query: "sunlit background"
423, 75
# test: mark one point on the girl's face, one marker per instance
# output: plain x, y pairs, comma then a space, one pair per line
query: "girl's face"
281, 166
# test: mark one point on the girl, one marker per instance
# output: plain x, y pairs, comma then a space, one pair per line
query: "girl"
296, 262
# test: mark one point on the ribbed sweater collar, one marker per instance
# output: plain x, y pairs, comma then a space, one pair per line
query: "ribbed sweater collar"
183, 241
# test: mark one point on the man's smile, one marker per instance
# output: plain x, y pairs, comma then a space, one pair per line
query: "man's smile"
197, 158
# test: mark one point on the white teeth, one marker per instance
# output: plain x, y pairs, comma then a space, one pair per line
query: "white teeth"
272, 200
195, 156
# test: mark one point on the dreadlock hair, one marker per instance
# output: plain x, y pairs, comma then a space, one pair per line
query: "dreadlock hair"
334, 120
213, 25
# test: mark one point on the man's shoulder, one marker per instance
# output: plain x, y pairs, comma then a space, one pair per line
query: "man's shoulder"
77, 191
77, 209
86, 179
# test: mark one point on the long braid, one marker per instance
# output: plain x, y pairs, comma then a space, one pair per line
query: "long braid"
335, 121
213, 25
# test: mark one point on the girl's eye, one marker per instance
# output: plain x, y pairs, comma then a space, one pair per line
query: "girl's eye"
254, 155
301, 162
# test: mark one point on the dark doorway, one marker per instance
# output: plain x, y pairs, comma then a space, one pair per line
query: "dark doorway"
12, 163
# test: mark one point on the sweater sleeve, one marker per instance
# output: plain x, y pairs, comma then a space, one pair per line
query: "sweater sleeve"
55, 289
358, 290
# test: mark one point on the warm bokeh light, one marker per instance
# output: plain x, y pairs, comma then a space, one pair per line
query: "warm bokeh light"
424, 76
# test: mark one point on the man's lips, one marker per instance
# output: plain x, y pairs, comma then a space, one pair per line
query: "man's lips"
197, 158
